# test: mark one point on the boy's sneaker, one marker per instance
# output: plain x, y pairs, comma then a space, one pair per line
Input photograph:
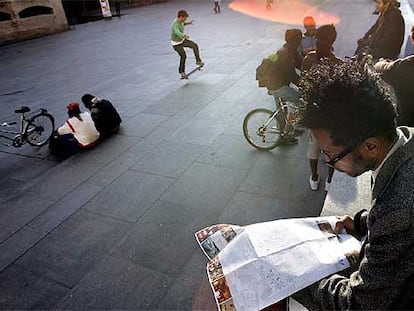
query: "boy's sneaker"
314, 184
200, 63
183, 75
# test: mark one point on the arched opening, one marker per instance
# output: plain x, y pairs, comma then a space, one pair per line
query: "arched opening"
5, 16
35, 10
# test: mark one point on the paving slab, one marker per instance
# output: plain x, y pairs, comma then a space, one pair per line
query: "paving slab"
85, 233
173, 225
205, 186
72, 250
129, 196
18, 212
125, 286
169, 159
56, 214
18, 244
23, 290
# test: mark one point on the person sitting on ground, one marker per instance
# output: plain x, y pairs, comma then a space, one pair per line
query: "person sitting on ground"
283, 73
400, 75
385, 38
77, 133
104, 115
325, 38
353, 121
309, 37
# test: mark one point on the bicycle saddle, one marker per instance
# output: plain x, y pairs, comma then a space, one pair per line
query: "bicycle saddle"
22, 109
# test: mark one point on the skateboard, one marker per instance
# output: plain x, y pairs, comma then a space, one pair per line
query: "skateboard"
198, 68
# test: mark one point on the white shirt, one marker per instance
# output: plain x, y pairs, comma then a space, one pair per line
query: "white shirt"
401, 140
84, 131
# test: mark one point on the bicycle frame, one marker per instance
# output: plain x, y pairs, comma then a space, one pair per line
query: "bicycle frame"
22, 120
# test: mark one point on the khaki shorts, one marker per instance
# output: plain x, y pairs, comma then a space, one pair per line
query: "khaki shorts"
313, 148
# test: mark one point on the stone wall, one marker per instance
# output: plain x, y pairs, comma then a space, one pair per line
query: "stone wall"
26, 19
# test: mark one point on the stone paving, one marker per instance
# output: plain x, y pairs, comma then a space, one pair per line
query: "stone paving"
112, 228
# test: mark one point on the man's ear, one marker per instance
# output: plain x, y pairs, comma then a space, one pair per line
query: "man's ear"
371, 146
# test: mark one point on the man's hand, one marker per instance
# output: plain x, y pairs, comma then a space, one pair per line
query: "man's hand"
191, 22
347, 223
186, 37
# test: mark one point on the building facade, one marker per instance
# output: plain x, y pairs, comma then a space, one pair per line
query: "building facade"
26, 19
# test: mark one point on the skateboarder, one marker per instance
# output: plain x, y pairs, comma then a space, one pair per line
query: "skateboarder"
179, 41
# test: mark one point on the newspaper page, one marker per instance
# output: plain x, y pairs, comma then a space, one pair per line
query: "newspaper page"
258, 265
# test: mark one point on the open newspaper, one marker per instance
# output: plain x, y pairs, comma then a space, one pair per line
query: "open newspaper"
255, 266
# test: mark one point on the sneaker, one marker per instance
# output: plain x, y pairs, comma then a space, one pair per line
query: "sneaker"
287, 140
183, 75
314, 184
200, 63
327, 185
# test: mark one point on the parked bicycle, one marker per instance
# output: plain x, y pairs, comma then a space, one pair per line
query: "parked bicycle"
35, 129
264, 128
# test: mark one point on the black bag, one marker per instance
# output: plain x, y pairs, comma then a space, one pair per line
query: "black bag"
64, 146
265, 69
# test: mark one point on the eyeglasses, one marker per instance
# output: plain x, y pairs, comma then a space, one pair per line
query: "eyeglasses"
331, 161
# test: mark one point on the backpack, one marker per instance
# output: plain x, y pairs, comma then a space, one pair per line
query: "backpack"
264, 70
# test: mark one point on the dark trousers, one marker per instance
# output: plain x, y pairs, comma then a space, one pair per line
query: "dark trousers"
118, 8
180, 50
216, 7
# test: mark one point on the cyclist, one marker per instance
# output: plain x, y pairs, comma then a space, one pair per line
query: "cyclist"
283, 73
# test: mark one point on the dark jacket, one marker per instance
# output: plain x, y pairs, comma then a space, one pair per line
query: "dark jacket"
385, 38
105, 117
384, 279
314, 58
283, 70
400, 75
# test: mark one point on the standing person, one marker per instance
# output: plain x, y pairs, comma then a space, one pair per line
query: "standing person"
400, 75
179, 41
325, 37
217, 6
385, 37
104, 115
409, 47
283, 73
269, 4
118, 8
309, 37
353, 121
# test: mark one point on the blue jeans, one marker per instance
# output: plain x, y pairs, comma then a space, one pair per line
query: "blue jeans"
288, 94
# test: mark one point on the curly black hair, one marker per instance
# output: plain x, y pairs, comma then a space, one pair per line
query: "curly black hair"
347, 101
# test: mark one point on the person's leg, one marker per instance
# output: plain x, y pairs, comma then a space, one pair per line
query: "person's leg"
180, 50
328, 181
313, 156
281, 116
192, 45
290, 95
215, 6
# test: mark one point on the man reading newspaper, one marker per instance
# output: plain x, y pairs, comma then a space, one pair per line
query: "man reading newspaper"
353, 121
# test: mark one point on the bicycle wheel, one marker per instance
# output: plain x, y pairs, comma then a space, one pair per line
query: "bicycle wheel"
39, 129
257, 134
